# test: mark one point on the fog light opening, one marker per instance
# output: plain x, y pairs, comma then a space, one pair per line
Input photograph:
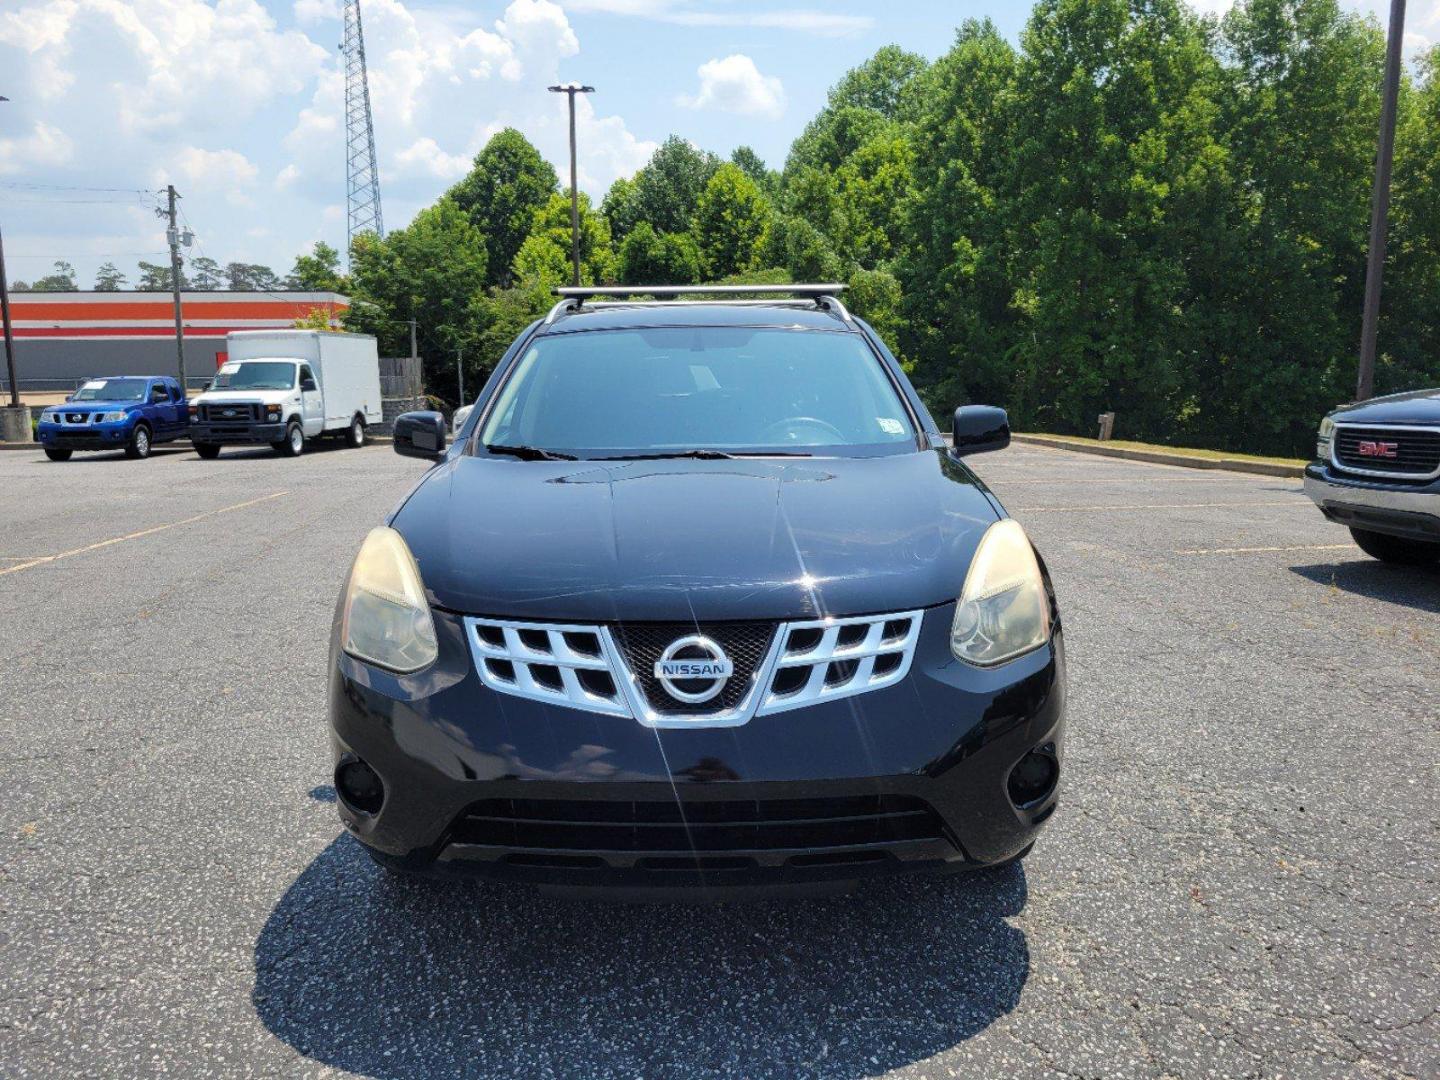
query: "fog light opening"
359, 786
1033, 777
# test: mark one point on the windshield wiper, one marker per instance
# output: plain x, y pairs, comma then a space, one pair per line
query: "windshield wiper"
705, 454
528, 453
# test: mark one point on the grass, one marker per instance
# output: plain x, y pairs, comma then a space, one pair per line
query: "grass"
1182, 451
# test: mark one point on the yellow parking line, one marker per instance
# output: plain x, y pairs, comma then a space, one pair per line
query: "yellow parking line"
1255, 550
44, 560
1160, 506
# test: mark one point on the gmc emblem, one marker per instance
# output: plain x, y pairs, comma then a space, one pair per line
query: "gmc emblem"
1372, 448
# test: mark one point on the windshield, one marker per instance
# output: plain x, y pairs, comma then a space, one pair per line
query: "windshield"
255, 375
683, 388
111, 390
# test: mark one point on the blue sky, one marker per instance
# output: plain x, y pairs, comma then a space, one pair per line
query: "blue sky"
238, 102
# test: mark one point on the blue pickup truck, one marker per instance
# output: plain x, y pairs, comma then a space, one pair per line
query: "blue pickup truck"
131, 413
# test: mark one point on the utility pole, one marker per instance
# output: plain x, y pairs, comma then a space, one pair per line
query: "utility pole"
173, 235
571, 89
414, 352
460, 372
9, 331
1380, 204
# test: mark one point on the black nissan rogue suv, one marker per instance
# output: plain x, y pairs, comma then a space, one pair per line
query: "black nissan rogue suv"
698, 596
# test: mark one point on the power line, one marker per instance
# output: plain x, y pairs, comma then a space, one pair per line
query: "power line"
72, 187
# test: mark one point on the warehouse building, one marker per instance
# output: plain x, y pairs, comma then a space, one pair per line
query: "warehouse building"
63, 338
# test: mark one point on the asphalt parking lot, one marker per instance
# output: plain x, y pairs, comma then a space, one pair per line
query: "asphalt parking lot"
1241, 879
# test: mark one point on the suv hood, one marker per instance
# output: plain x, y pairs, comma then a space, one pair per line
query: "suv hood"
694, 539
1415, 407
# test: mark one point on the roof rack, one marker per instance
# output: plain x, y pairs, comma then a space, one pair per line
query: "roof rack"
824, 296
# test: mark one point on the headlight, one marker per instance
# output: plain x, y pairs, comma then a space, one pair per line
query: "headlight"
1322, 437
387, 621
272, 412
1003, 611
113, 417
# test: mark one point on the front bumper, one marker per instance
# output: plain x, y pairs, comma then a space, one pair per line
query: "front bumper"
90, 437
1396, 509
219, 433
912, 777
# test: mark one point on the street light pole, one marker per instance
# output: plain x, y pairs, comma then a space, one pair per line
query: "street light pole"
571, 89
1380, 204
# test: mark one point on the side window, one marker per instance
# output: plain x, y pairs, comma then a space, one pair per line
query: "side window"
159, 393
305, 373
175, 392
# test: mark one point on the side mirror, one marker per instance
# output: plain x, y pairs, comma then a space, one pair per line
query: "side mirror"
979, 429
307, 385
420, 434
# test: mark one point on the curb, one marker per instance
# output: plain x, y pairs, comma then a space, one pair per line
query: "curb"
1159, 457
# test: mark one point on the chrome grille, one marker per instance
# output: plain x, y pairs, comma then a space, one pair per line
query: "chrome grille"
609, 670
1410, 453
838, 657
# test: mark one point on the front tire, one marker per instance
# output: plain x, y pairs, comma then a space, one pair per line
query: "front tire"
138, 446
293, 445
1396, 550
208, 451
355, 434
58, 455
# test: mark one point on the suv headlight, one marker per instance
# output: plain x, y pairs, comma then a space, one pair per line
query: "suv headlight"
1003, 610
1323, 436
387, 620
113, 417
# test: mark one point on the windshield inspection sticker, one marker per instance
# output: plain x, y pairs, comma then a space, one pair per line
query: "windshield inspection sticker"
890, 426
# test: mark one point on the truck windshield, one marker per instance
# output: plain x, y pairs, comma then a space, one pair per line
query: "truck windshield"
255, 375
111, 390
736, 389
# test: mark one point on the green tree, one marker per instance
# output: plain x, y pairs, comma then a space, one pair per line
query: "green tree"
206, 274
798, 247
1116, 155
507, 185
648, 257
958, 321
874, 186
1281, 284
668, 188
730, 222
749, 162
318, 271
433, 270
60, 279
109, 278
621, 208
155, 277
251, 277
1410, 325
874, 295
882, 83
545, 253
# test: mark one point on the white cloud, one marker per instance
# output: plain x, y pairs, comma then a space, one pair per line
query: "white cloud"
199, 171
682, 13
425, 156
310, 11
45, 145
38, 26
735, 84
285, 177
539, 26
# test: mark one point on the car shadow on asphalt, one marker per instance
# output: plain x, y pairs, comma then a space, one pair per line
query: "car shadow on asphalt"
1408, 586
393, 978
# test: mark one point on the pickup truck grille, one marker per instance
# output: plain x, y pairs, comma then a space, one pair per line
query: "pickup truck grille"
1387, 451
231, 412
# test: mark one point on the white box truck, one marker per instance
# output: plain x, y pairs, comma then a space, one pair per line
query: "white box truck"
283, 387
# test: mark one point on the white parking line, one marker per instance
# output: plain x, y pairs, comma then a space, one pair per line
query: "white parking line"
1159, 506
45, 560
1256, 550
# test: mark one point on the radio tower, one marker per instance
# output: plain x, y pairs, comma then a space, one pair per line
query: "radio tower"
361, 175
